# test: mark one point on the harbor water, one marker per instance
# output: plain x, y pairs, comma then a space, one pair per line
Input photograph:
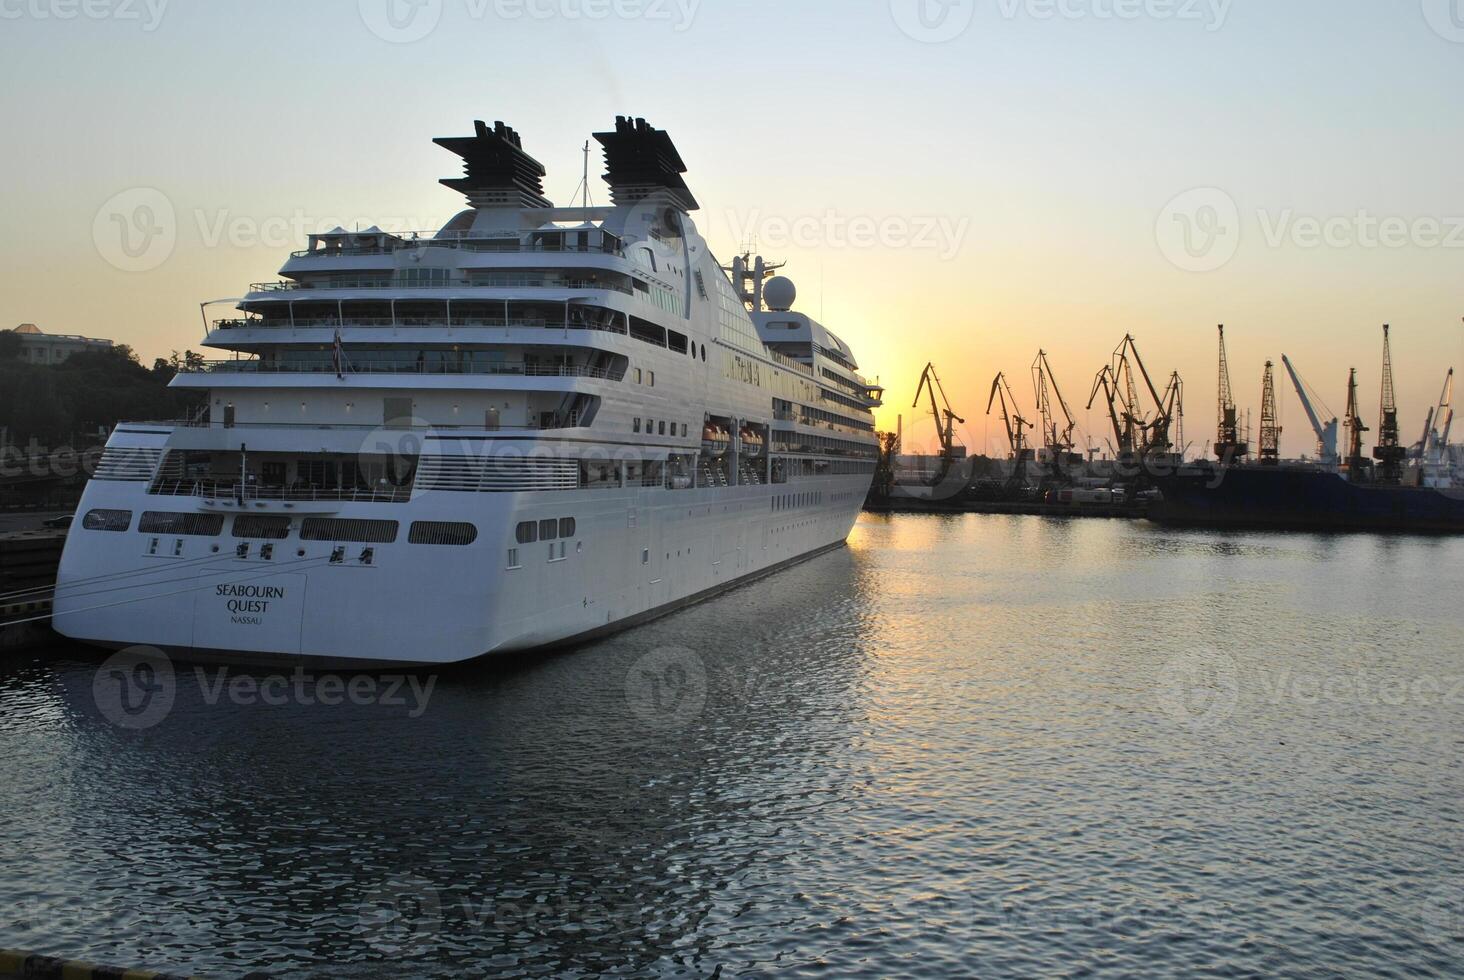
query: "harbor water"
964, 745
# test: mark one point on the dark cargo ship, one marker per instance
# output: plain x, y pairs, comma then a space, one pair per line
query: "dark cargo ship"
1301, 498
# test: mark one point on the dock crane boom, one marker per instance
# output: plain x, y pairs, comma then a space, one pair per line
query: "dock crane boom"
1437, 443
1326, 431
1157, 436
1122, 421
1389, 451
945, 419
1011, 416
1058, 441
1227, 439
1270, 422
1355, 429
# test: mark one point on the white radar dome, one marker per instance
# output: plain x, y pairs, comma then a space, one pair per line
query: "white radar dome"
779, 293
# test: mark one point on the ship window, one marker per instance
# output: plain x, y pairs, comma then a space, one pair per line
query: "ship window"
683, 430
513, 558
651, 378
636, 427
107, 520
339, 529
528, 532
645, 556
442, 532
548, 529
566, 527
650, 427
196, 525
261, 526
638, 376
662, 430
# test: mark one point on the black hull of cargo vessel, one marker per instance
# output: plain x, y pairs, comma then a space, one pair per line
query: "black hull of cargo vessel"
1295, 498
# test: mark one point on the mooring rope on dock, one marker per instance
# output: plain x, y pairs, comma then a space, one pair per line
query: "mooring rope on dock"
166, 595
173, 564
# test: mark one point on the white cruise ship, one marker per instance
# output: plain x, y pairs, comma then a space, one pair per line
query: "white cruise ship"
531, 427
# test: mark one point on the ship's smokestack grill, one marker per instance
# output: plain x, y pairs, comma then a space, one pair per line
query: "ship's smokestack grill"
497, 173
642, 162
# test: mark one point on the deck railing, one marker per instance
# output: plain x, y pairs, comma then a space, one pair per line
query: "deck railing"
219, 490
328, 366
405, 243
505, 282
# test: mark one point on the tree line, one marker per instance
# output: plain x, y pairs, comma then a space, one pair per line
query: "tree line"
71, 403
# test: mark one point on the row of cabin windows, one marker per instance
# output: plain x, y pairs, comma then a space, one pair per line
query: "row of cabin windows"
657, 427
546, 530
269, 527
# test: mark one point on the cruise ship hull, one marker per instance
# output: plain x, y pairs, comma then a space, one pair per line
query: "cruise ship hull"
1297, 498
636, 555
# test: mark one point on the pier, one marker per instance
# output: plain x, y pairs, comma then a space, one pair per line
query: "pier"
28, 564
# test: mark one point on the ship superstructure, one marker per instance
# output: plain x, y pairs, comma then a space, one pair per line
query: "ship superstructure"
533, 425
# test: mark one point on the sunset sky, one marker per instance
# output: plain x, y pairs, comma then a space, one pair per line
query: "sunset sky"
959, 182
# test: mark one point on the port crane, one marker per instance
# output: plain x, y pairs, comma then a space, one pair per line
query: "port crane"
1157, 437
1389, 451
1058, 440
1432, 451
1440, 421
1355, 429
1228, 444
1326, 431
1125, 436
1270, 453
945, 419
1013, 422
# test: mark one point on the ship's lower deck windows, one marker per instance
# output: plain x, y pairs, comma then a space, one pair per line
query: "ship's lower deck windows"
348, 529
107, 520
442, 532
190, 525
261, 526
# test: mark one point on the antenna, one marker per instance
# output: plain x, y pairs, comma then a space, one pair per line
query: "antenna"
582, 192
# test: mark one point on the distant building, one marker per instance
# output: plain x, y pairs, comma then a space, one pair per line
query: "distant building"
37, 347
